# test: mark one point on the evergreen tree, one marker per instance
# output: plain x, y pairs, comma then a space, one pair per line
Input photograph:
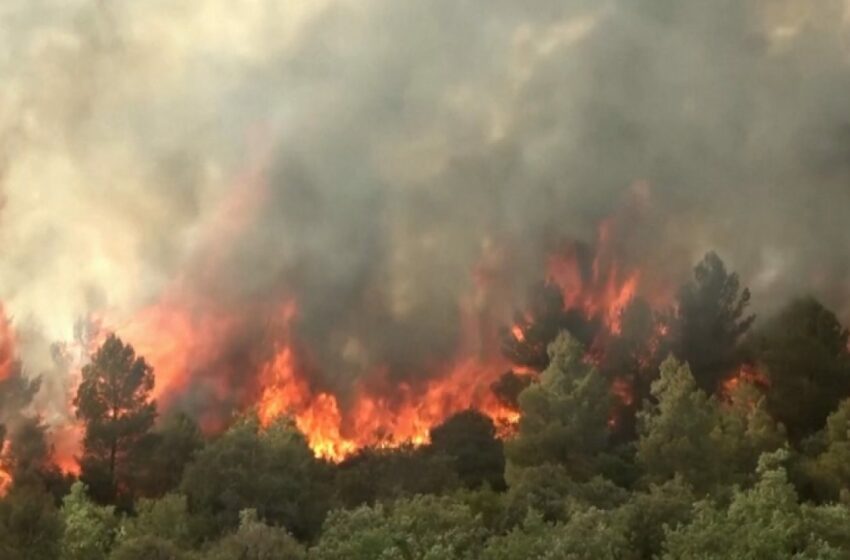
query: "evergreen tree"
711, 317
564, 414
803, 351
114, 403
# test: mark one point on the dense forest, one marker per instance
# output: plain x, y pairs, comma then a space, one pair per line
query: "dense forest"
694, 432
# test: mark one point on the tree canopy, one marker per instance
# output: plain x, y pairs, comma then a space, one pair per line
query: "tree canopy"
114, 403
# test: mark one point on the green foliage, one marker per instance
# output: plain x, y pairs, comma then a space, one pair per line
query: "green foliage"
90, 529
419, 528
271, 470
764, 522
469, 439
256, 541
550, 491
803, 351
646, 515
113, 401
147, 548
166, 518
710, 321
386, 474
162, 457
564, 415
590, 534
689, 434
30, 526
828, 470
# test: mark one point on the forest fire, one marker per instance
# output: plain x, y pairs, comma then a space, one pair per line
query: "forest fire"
5, 475
601, 290
381, 413
7, 346
216, 359
746, 374
7, 364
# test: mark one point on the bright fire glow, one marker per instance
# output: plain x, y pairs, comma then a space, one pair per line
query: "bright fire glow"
5, 476
605, 292
380, 413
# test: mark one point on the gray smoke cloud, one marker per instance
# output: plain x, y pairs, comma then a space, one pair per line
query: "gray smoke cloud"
366, 158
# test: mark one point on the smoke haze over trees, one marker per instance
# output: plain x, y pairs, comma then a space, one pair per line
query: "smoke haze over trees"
377, 279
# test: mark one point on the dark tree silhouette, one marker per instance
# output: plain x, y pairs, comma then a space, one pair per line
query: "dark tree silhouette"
540, 324
114, 403
710, 321
631, 360
508, 387
469, 438
803, 352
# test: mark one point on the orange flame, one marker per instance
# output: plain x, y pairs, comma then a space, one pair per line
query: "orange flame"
5, 475
605, 292
746, 374
375, 415
8, 345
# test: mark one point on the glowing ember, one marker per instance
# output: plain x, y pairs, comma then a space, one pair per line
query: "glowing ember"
746, 374
622, 389
516, 330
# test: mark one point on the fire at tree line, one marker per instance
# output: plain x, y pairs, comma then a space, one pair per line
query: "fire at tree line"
688, 432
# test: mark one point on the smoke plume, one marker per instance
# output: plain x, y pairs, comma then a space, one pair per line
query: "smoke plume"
376, 184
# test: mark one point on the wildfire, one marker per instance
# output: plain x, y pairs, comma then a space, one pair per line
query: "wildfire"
7, 346
5, 476
622, 390
380, 413
602, 291
746, 374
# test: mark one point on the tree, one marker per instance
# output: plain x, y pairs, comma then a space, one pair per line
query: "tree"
540, 325
419, 528
375, 474
166, 519
647, 514
589, 534
689, 434
803, 352
469, 438
30, 526
764, 522
710, 321
631, 360
163, 456
828, 471
28, 458
148, 548
564, 414
114, 402
550, 491
256, 541
90, 529
271, 470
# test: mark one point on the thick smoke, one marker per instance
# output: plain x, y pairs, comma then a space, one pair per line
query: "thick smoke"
390, 166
